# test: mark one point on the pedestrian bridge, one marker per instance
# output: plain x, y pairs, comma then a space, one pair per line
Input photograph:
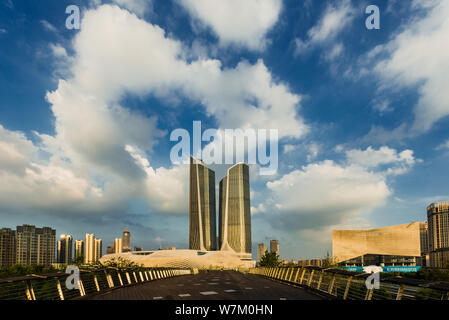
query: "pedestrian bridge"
277, 283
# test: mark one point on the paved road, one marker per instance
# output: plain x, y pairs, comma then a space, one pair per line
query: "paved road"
213, 285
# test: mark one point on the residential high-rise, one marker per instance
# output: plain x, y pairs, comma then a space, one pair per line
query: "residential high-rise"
424, 239
235, 215
118, 246
202, 210
98, 249
7, 247
274, 246
65, 245
35, 245
89, 248
126, 241
79, 249
261, 249
438, 230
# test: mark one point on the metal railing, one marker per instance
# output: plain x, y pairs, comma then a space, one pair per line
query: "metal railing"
53, 286
345, 285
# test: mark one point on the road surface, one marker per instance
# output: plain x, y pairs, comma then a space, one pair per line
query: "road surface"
213, 285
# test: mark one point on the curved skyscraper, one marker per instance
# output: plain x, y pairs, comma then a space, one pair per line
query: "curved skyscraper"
235, 211
202, 210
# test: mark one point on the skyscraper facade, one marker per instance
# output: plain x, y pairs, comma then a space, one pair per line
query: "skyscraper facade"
98, 249
274, 246
261, 249
235, 214
126, 241
438, 230
65, 245
202, 210
35, 245
118, 247
89, 248
7, 247
79, 249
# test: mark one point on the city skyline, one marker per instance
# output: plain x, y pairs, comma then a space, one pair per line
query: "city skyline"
85, 135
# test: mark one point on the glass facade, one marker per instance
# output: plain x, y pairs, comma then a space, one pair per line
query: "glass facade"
202, 207
126, 241
438, 229
65, 249
235, 210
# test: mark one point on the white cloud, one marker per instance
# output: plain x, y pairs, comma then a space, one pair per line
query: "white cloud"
443, 146
3, 31
243, 23
259, 209
371, 158
314, 149
418, 57
48, 26
333, 21
326, 193
289, 148
100, 148
58, 51
139, 7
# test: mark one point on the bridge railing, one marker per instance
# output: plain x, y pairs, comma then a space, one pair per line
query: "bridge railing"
53, 286
345, 285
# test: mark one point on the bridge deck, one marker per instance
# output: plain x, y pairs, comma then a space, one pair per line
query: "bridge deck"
213, 285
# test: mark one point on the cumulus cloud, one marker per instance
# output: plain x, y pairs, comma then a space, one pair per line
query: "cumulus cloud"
242, 23
404, 61
139, 7
333, 21
326, 193
97, 160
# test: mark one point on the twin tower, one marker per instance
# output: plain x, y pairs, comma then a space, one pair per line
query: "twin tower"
234, 215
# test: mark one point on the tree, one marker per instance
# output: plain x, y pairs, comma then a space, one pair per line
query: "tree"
329, 261
270, 259
122, 263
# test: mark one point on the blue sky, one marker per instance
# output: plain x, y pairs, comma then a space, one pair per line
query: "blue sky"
86, 114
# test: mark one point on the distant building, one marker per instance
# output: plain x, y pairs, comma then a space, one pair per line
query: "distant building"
118, 245
64, 249
79, 249
35, 245
391, 246
7, 247
235, 211
438, 230
424, 239
126, 241
202, 210
109, 250
89, 248
137, 249
170, 248
261, 249
274, 246
98, 249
